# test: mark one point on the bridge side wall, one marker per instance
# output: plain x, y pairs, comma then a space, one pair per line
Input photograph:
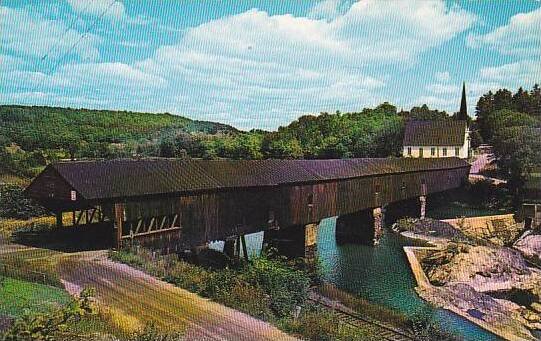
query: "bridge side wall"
219, 215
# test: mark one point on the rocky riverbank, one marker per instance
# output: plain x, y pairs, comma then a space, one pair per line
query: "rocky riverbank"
489, 284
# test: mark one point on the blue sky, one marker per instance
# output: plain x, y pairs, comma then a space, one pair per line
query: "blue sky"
261, 64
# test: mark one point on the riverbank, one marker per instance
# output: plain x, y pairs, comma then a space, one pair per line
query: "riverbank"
473, 281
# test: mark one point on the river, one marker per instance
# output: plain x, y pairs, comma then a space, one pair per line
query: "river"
380, 274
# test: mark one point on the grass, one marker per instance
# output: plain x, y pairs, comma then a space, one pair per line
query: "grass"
37, 265
457, 209
8, 226
369, 310
18, 296
267, 288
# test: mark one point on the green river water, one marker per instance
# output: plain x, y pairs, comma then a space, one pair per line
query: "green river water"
382, 275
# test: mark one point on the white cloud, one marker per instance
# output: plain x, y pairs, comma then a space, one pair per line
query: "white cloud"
449, 89
525, 73
521, 36
111, 9
265, 69
443, 76
328, 9
437, 102
38, 35
262, 70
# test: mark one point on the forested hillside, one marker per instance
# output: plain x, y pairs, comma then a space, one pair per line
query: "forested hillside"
32, 136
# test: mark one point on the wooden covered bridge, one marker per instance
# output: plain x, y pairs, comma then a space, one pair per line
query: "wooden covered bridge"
178, 203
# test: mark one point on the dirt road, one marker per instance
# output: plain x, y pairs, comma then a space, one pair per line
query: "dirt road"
141, 299
133, 299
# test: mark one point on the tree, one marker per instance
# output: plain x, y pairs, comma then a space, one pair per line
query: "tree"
518, 151
168, 148
425, 113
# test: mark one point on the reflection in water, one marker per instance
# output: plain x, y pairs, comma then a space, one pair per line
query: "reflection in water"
379, 274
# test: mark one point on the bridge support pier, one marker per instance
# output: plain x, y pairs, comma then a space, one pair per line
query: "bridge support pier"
294, 241
422, 200
414, 207
364, 227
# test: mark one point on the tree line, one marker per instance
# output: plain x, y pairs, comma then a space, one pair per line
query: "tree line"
511, 123
31, 137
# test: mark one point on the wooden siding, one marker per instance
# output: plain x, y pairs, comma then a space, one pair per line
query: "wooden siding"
222, 214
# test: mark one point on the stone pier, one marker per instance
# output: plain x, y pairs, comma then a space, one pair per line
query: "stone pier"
422, 201
294, 241
364, 227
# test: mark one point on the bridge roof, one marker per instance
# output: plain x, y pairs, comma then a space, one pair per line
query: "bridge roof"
124, 178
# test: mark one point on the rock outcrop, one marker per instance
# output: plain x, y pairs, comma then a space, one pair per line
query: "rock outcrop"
530, 246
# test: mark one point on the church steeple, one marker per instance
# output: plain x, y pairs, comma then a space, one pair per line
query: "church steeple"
463, 113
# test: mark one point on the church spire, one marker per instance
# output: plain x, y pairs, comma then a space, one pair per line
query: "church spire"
463, 113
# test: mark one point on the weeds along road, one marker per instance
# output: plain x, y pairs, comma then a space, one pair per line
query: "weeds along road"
131, 299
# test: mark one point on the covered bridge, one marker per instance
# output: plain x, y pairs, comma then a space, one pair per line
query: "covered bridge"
191, 202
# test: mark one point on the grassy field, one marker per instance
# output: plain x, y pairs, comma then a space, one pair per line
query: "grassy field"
17, 296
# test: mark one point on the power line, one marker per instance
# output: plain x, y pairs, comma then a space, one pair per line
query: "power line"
55, 66
65, 31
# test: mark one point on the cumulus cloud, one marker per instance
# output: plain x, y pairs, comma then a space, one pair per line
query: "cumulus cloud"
262, 67
328, 9
520, 37
38, 35
262, 70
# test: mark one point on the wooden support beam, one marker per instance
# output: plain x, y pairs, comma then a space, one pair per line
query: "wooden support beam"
92, 215
175, 217
79, 218
59, 222
118, 222
244, 248
139, 223
237, 248
162, 224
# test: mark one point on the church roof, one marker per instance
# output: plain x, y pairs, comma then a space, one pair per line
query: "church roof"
435, 133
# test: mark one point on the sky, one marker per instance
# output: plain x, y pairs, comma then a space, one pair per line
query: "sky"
262, 64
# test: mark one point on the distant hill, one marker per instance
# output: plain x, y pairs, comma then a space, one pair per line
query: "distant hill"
41, 127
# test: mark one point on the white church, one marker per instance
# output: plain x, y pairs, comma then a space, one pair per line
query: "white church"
439, 138
431, 139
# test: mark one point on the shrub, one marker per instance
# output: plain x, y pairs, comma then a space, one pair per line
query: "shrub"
425, 330
286, 286
151, 333
315, 323
48, 326
13, 204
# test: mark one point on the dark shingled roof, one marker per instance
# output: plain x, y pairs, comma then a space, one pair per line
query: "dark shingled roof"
124, 178
434, 133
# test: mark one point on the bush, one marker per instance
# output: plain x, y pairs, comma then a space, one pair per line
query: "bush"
315, 323
151, 333
48, 326
424, 330
13, 204
286, 286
